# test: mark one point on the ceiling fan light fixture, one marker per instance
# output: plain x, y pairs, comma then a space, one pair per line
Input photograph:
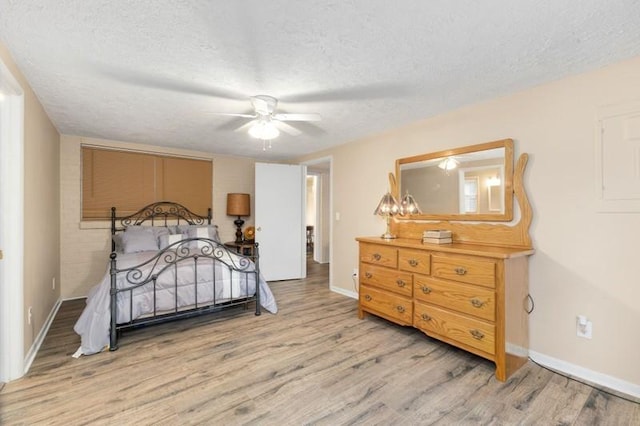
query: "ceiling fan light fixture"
264, 130
448, 163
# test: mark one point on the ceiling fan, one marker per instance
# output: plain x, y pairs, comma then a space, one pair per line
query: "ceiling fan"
266, 123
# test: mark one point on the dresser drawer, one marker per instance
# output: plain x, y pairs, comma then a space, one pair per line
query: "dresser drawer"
464, 269
472, 332
388, 304
387, 279
379, 255
469, 299
418, 261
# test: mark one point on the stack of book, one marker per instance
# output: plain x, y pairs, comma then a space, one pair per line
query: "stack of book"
437, 236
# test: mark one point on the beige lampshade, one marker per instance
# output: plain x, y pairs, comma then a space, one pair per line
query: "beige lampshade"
238, 205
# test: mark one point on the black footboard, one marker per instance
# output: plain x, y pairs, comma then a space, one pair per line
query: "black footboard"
191, 277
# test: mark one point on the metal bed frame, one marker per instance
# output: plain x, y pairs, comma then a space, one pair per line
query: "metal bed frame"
166, 213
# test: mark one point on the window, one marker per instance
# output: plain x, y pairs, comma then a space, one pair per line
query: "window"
131, 180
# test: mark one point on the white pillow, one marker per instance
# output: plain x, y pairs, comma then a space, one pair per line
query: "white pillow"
167, 240
158, 231
135, 240
199, 233
212, 232
185, 229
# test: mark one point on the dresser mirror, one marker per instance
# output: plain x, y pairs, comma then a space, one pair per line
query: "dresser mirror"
468, 183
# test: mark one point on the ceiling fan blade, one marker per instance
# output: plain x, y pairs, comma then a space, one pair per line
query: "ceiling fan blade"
371, 91
287, 128
136, 78
298, 117
245, 127
310, 129
231, 114
231, 124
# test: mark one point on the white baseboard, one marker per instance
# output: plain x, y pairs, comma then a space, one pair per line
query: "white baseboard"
517, 350
342, 291
587, 375
35, 347
74, 298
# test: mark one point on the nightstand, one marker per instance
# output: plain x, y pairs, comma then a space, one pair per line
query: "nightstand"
244, 248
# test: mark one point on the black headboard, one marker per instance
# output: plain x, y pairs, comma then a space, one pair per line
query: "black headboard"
159, 214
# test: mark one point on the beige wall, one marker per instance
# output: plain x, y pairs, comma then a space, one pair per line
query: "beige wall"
85, 246
41, 207
585, 261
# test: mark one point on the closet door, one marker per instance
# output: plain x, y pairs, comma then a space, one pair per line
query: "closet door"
280, 220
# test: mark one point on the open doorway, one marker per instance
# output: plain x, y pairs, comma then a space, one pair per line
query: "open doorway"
318, 212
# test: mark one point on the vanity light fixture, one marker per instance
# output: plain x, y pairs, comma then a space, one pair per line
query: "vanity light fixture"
409, 205
493, 181
448, 163
387, 207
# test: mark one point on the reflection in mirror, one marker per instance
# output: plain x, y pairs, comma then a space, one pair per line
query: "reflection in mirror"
483, 178
494, 195
470, 183
468, 193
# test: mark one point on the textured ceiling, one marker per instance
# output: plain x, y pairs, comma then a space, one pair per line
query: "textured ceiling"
151, 71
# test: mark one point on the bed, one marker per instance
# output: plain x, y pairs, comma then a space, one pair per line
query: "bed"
167, 263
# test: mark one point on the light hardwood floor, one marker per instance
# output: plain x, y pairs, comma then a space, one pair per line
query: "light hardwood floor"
314, 362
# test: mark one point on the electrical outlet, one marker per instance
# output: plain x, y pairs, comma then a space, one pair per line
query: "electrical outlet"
584, 327
355, 273
29, 314
53, 283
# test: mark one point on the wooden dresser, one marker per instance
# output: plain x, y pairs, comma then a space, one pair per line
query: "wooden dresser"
470, 296
472, 293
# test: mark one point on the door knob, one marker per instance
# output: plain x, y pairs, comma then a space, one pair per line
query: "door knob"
259, 228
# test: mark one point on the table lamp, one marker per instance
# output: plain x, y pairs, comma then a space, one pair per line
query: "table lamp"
387, 207
238, 205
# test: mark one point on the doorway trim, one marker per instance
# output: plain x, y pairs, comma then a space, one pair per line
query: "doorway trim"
11, 226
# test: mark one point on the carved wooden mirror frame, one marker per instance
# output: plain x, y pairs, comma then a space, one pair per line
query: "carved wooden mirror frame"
489, 234
473, 155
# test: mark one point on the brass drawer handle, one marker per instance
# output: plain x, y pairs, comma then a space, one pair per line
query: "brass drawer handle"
413, 262
477, 334
426, 290
400, 283
367, 298
400, 309
376, 256
368, 274
460, 271
477, 303
426, 317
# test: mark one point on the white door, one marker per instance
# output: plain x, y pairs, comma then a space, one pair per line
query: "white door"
280, 220
11, 227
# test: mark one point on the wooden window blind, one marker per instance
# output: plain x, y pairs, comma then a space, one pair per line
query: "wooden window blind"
131, 180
